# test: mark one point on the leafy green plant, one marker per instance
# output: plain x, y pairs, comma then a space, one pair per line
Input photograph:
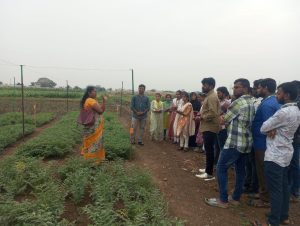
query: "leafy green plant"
11, 133
116, 138
56, 141
12, 118
126, 197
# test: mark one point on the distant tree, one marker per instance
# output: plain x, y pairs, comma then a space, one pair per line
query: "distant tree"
45, 82
1, 83
32, 84
109, 89
77, 88
100, 88
153, 90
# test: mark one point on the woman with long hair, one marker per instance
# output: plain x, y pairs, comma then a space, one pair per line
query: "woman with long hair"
93, 147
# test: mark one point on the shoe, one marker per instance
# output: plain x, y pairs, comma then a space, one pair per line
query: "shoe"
216, 203
140, 143
205, 176
180, 148
132, 142
233, 202
185, 149
196, 149
202, 170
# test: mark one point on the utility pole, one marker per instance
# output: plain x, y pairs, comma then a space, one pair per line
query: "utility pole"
121, 100
22, 85
132, 81
67, 96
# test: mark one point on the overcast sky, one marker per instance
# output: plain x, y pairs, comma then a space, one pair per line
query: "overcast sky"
170, 44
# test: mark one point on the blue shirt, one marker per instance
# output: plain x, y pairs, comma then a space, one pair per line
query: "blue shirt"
265, 110
140, 104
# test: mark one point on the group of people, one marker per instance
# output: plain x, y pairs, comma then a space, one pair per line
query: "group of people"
256, 131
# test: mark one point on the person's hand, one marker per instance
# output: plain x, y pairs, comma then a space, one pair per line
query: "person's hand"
222, 122
271, 134
104, 98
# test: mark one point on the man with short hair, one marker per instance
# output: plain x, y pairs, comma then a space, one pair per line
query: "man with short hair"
280, 130
267, 108
209, 116
238, 119
140, 105
294, 171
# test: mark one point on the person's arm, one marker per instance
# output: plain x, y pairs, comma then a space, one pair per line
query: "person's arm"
232, 112
187, 110
148, 106
212, 111
132, 105
274, 122
100, 108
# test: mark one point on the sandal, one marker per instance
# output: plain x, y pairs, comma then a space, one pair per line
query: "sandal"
258, 203
216, 203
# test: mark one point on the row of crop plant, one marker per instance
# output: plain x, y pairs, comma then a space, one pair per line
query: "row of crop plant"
35, 193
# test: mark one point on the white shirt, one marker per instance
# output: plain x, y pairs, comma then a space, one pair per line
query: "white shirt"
286, 121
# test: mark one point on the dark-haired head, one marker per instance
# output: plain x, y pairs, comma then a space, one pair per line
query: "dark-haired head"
297, 83
269, 84
241, 87
185, 95
193, 96
168, 96
208, 84
89, 92
222, 92
142, 88
287, 92
178, 94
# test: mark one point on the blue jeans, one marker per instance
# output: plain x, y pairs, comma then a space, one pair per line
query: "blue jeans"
229, 157
277, 183
294, 172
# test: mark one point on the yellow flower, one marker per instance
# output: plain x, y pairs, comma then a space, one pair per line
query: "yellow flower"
20, 166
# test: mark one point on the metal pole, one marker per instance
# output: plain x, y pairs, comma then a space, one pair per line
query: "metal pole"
22, 85
121, 99
15, 98
67, 96
132, 81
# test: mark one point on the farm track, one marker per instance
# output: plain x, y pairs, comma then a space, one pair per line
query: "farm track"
11, 148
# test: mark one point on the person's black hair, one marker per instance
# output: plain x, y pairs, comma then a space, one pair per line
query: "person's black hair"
289, 88
223, 90
244, 82
192, 93
168, 95
185, 94
209, 81
88, 90
179, 91
142, 85
297, 83
256, 83
268, 83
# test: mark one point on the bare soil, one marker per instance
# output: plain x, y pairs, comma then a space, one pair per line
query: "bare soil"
174, 173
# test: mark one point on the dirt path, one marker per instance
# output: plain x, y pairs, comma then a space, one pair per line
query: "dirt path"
11, 148
174, 172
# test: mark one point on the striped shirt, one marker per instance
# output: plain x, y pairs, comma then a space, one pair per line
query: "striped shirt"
239, 117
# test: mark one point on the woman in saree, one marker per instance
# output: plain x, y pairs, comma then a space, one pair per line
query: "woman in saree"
186, 122
176, 103
167, 104
156, 118
93, 134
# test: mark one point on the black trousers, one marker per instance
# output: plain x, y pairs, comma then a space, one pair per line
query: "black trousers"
209, 139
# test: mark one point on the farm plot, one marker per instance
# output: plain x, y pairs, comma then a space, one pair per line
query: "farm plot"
11, 128
35, 193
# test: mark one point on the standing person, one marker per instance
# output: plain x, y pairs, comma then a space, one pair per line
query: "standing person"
186, 124
199, 137
223, 94
280, 130
156, 118
140, 106
268, 106
93, 133
238, 119
209, 116
196, 108
294, 171
167, 104
177, 103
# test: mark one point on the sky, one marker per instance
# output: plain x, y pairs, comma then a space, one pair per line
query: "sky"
169, 44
